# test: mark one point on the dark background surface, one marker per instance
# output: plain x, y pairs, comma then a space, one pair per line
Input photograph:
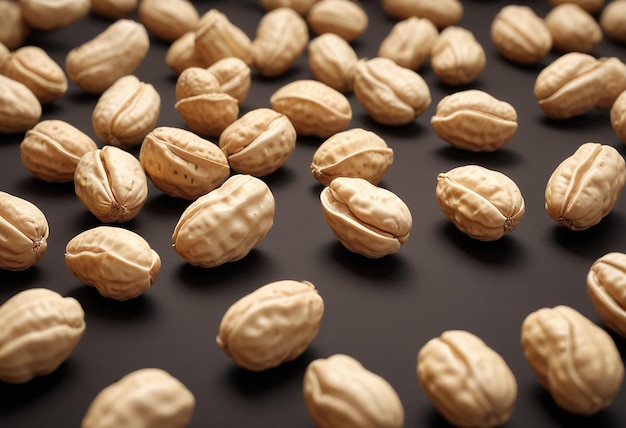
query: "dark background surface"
378, 311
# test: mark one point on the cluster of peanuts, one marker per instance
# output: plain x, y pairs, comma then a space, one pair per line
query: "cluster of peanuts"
231, 209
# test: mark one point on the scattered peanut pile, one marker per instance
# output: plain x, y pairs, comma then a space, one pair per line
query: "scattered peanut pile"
220, 165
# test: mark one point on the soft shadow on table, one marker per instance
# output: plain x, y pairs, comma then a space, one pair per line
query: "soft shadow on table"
590, 120
16, 281
592, 241
33, 185
500, 158
94, 304
410, 131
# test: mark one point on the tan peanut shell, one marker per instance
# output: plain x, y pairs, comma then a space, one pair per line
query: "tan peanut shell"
25, 230
119, 263
590, 6
572, 28
281, 37
300, 6
181, 163
339, 392
52, 149
618, 116
126, 112
149, 398
168, 20
570, 85
366, 219
466, 381
345, 18
314, 108
259, 142
482, 203
181, 54
208, 114
606, 287
456, 57
39, 329
409, 42
5, 53
217, 38
117, 51
332, 61
441, 13
615, 81
111, 184
53, 14
195, 81
392, 95
612, 21
576, 361
355, 152
13, 30
32, 66
271, 325
20, 109
520, 35
585, 186
234, 77
225, 224
113, 9
474, 120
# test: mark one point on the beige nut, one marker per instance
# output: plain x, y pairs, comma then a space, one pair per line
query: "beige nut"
576, 361
441, 13
225, 224
149, 398
314, 108
482, 203
126, 112
51, 150
474, 120
572, 28
520, 35
182, 53
300, 6
339, 392
195, 81
25, 230
365, 219
39, 330
570, 85
181, 164
117, 51
356, 152
32, 66
113, 9
259, 142
111, 184
53, 14
119, 263
217, 38
271, 325
467, 382
409, 42
612, 21
456, 57
13, 30
281, 37
208, 114
234, 77
392, 95
606, 287
332, 61
590, 6
585, 186
345, 18
20, 109
5, 53
618, 116
168, 20
615, 81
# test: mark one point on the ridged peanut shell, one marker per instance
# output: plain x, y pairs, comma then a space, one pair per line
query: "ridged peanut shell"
52, 149
24, 230
168, 20
618, 116
339, 392
366, 219
119, 263
225, 224
409, 42
148, 397
300, 6
271, 325
126, 112
585, 186
615, 81
181, 53
217, 38
467, 382
113, 9
20, 109
576, 361
314, 108
482, 203
606, 287
611, 21
196, 81
14, 30
441, 13
332, 61
53, 14
111, 184
345, 18
573, 29
259, 142
208, 114
355, 152
474, 120
39, 329
181, 163
456, 57
234, 77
